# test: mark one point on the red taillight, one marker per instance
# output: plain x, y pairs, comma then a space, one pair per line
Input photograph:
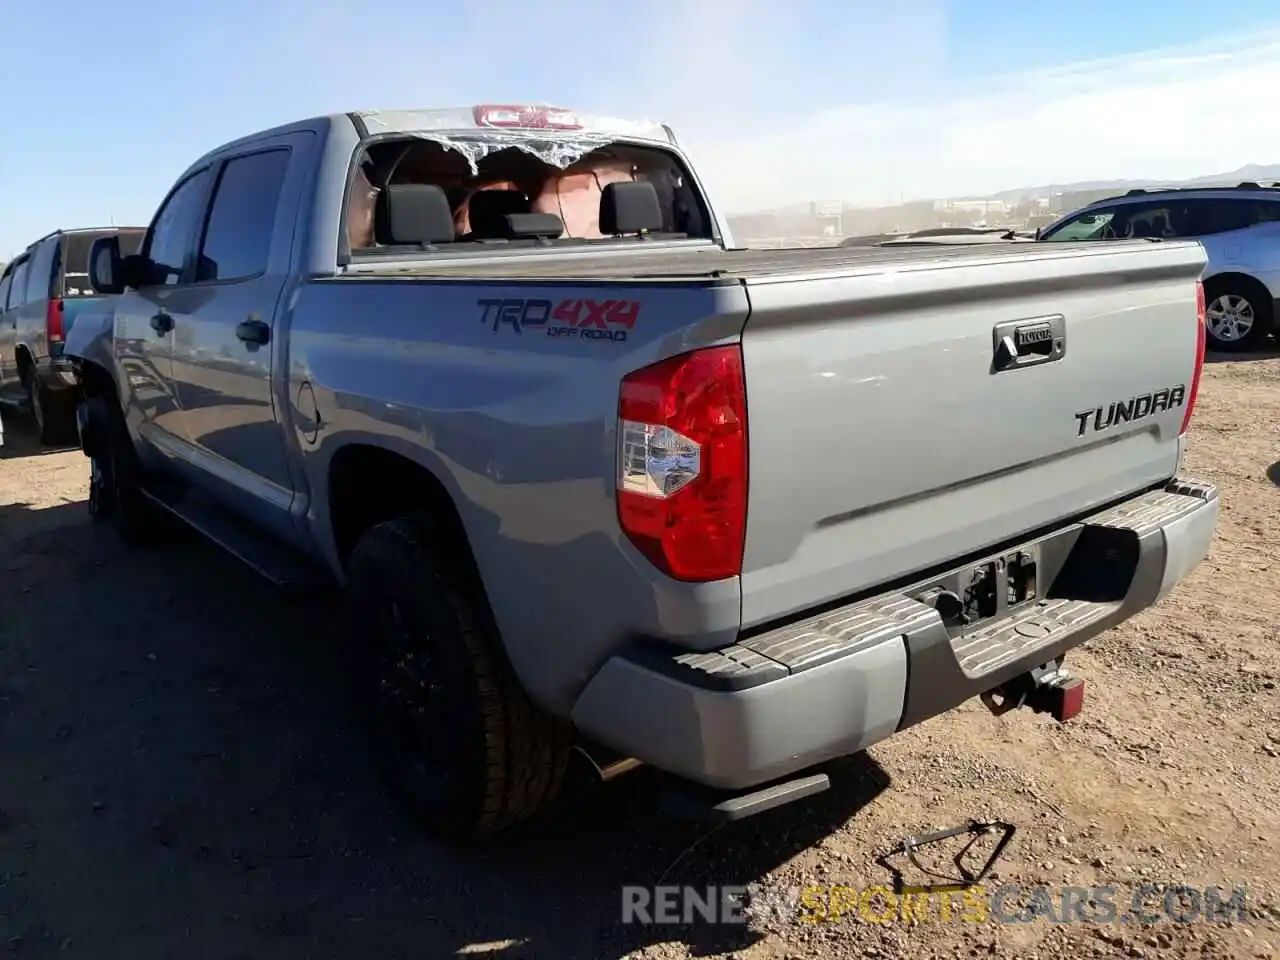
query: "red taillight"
1194, 389
682, 463
53, 321
526, 117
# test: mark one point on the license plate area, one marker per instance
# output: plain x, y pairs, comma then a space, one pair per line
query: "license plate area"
986, 591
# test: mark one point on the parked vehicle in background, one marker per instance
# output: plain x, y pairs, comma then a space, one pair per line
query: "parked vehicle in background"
1239, 228
940, 236
42, 291
943, 237
591, 472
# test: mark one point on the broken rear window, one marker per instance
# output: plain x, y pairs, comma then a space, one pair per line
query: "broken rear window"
489, 174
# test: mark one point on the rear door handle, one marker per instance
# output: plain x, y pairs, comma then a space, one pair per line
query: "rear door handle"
253, 331
162, 323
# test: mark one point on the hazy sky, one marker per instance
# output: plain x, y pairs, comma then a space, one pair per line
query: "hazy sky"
105, 103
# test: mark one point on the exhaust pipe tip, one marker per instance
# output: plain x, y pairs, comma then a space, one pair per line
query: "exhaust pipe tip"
607, 764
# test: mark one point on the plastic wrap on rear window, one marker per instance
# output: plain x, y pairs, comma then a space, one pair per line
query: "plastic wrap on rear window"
560, 150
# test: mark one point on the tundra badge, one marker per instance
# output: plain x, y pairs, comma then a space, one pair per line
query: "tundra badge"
1127, 411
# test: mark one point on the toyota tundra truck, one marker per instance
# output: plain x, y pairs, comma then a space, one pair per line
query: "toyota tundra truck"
591, 476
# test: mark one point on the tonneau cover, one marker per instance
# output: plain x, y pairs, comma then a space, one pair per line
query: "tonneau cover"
689, 262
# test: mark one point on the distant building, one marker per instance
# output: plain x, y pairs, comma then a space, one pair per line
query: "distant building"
987, 208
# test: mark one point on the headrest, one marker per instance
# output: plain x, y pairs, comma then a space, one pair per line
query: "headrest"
530, 226
486, 208
629, 207
414, 213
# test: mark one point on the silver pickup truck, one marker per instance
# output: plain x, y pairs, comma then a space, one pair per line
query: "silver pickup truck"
592, 476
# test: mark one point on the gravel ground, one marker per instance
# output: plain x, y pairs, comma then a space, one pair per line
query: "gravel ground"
178, 779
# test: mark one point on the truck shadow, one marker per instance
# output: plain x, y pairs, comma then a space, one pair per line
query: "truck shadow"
1272, 352
182, 772
20, 439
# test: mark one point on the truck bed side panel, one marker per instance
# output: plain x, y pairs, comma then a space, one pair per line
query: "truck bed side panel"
519, 424
883, 442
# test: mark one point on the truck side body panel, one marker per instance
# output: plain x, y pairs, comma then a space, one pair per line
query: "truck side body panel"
518, 422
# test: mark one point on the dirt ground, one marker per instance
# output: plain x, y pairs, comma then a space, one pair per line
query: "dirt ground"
178, 777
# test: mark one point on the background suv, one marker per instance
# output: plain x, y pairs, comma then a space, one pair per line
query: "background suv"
41, 291
1239, 228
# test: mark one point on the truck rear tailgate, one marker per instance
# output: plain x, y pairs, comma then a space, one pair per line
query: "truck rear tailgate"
890, 430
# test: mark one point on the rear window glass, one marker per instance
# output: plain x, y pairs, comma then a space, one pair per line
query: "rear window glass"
486, 177
75, 259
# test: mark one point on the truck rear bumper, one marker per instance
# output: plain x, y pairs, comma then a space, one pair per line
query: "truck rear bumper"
834, 683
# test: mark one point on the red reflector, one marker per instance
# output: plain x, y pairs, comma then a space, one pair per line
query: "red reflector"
527, 117
682, 463
1194, 390
1070, 700
53, 321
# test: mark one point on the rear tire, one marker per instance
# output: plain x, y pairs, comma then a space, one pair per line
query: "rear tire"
52, 411
1239, 315
115, 485
455, 736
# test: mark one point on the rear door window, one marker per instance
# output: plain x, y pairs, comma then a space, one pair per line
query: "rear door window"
4, 292
1155, 219
237, 240
1228, 213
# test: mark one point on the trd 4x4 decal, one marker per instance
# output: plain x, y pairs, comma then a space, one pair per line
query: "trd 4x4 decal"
584, 319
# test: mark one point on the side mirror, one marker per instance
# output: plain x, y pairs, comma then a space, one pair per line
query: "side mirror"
105, 273
110, 273
1037, 236
137, 271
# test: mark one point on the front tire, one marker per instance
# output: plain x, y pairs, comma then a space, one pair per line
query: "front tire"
455, 736
1238, 315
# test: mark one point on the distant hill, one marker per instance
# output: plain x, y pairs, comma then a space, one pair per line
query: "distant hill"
1257, 172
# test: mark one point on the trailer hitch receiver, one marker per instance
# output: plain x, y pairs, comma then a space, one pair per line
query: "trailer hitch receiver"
1048, 689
